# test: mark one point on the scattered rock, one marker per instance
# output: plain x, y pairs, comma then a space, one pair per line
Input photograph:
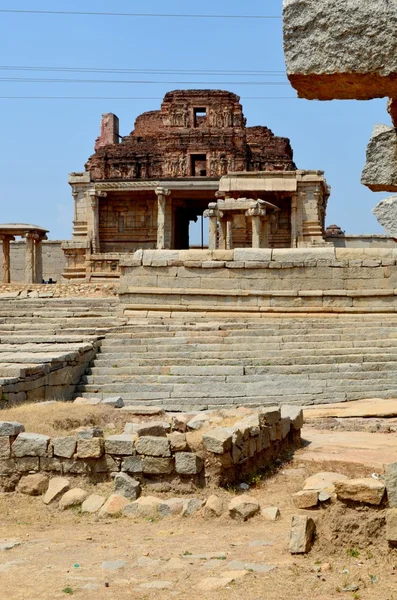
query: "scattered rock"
113, 506
127, 486
145, 507
191, 506
87, 401
115, 402
93, 503
74, 497
214, 507
306, 499
151, 428
269, 415
113, 565
33, 485
302, 534
243, 507
248, 566
272, 513
324, 481
366, 490
9, 545
172, 506
198, 421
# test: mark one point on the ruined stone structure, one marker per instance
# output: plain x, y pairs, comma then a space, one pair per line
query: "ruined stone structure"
34, 237
141, 191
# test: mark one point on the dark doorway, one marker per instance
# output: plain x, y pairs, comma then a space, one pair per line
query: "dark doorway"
199, 165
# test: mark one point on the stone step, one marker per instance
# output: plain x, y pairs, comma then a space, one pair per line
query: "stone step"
215, 389
266, 379
109, 361
240, 370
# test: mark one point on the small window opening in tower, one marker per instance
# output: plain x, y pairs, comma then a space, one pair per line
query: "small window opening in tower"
199, 165
200, 116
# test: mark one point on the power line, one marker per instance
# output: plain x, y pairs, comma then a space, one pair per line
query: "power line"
145, 15
137, 81
147, 71
129, 98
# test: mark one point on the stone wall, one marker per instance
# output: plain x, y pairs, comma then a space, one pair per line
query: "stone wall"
218, 456
361, 241
324, 279
60, 290
54, 378
53, 260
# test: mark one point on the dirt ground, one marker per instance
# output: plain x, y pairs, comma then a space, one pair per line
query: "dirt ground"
65, 554
61, 554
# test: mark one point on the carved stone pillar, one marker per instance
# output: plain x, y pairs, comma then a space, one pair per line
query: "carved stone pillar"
6, 258
222, 232
212, 214
29, 258
229, 234
164, 225
265, 232
93, 233
294, 207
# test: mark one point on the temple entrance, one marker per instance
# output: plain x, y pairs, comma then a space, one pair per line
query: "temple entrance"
189, 225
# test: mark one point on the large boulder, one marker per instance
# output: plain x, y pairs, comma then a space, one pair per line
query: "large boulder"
380, 171
56, 487
74, 497
33, 485
341, 49
386, 213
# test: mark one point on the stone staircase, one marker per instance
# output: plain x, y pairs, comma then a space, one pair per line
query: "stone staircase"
47, 344
274, 359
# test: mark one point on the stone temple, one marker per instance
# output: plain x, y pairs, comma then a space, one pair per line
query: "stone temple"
194, 157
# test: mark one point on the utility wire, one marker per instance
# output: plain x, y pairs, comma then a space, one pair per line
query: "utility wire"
147, 71
129, 81
129, 98
146, 15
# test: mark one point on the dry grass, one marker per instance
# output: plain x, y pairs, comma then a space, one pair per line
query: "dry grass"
63, 417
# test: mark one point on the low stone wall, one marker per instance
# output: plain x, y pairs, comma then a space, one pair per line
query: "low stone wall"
218, 456
54, 378
54, 260
323, 279
59, 290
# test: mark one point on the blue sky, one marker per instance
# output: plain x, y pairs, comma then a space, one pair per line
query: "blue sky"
43, 140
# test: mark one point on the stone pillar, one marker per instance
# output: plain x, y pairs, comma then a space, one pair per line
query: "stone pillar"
222, 232
229, 234
6, 258
93, 225
29, 258
294, 207
164, 225
265, 232
258, 216
212, 214
38, 256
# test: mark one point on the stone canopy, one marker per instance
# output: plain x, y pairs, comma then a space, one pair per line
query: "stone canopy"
34, 236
